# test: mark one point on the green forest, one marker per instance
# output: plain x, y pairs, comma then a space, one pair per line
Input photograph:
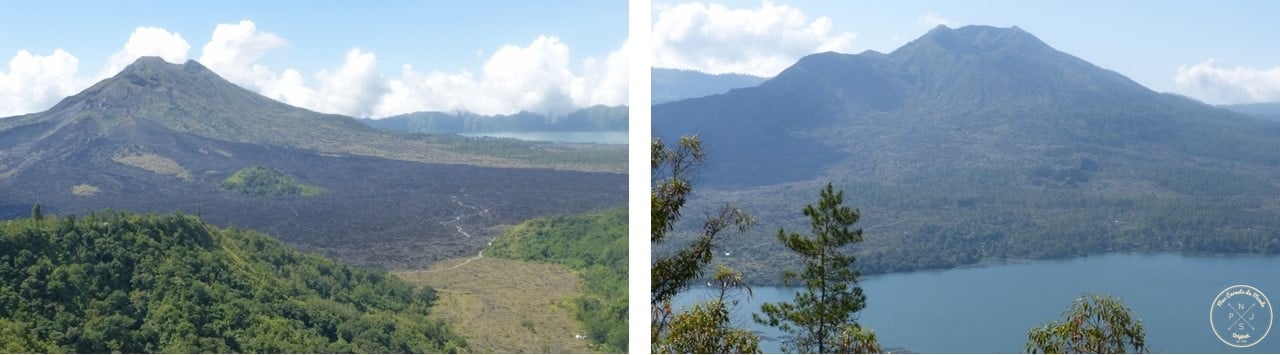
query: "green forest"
595, 245
121, 282
267, 182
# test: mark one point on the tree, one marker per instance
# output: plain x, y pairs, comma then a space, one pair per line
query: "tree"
671, 274
828, 305
705, 327
36, 212
1095, 324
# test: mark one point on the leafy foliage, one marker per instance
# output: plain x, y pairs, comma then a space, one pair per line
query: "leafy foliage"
1095, 324
595, 244
266, 182
831, 298
705, 327
122, 282
671, 274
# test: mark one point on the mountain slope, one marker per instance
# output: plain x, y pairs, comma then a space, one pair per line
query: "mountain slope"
189, 98
593, 244
120, 282
679, 84
1268, 111
161, 137
980, 144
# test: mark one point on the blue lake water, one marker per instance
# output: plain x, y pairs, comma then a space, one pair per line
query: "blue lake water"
988, 309
605, 137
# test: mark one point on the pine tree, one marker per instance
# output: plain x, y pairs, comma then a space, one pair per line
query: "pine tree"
826, 308
36, 212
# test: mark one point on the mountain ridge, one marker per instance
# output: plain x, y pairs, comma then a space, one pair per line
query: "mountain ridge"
594, 118
678, 84
160, 137
980, 144
191, 99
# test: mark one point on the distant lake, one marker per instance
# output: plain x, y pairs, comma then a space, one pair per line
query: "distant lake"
989, 308
604, 137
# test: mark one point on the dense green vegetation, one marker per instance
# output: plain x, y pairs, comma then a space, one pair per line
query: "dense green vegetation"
122, 282
829, 304
595, 244
705, 327
1094, 324
267, 182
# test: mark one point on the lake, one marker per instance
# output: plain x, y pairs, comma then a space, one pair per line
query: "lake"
604, 137
988, 309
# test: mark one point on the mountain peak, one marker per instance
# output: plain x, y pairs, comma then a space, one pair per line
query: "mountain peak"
190, 98
975, 39
153, 67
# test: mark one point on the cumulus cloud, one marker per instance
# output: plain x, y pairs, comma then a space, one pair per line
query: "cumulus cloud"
35, 82
537, 77
233, 51
604, 82
932, 20
763, 41
1229, 85
147, 41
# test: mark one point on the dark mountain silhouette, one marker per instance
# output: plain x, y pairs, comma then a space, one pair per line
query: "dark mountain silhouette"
679, 84
1266, 110
162, 137
595, 118
983, 143
953, 95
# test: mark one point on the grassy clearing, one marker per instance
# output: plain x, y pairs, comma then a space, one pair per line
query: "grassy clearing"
84, 190
151, 162
267, 182
507, 306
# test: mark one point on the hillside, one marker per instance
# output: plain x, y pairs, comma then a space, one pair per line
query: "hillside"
982, 144
505, 306
162, 137
1268, 111
539, 285
597, 118
192, 100
678, 84
593, 244
123, 282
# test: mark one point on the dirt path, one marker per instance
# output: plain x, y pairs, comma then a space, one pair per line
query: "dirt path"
457, 223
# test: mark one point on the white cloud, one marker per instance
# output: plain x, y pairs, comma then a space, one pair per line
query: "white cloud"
932, 20
604, 82
538, 77
535, 78
353, 89
717, 39
34, 82
147, 41
1229, 85
233, 51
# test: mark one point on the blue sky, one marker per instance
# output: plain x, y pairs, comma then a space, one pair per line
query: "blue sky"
447, 45
1148, 41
